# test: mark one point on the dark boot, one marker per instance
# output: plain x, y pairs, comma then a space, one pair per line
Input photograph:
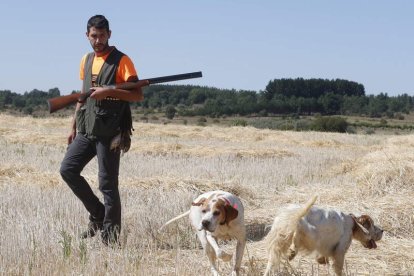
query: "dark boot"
93, 228
110, 237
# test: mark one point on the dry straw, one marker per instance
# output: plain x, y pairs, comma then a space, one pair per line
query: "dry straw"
168, 165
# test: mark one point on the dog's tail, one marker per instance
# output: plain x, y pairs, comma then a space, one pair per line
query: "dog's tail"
303, 211
174, 219
281, 234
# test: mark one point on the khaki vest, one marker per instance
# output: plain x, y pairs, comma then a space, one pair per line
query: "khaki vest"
104, 117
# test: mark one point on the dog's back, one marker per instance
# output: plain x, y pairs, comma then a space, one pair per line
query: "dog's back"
321, 229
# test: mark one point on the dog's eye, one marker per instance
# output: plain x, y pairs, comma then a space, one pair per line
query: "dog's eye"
204, 211
216, 213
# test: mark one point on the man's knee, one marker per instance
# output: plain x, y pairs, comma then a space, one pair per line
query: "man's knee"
64, 168
68, 173
64, 172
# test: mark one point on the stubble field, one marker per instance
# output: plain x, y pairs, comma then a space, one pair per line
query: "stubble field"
168, 165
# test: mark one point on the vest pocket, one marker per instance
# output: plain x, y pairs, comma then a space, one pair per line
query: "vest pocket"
80, 119
106, 122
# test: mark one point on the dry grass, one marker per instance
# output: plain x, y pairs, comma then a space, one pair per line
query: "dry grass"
168, 165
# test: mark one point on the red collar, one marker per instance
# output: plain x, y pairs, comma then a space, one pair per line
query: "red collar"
229, 203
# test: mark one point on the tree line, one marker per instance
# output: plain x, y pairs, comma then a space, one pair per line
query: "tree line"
281, 96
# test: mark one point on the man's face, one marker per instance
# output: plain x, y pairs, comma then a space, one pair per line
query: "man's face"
98, 39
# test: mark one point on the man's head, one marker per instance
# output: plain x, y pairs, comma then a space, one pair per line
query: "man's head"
99, 22
98, 33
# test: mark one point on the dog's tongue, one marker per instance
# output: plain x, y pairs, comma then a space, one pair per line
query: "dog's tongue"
372, 244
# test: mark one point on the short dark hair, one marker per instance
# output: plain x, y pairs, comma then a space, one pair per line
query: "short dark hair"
99, 22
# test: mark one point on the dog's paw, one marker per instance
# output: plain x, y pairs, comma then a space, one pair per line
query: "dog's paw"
322, 260
225, 257
215, 273
291, 254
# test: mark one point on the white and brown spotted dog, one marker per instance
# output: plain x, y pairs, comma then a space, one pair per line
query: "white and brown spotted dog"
218, 215
328, 232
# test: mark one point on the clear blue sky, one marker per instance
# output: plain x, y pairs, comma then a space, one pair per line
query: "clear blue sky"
236, 44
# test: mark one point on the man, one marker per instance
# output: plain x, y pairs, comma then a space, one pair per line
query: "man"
100, 122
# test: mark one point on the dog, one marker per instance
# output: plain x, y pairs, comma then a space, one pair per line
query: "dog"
217, 215
310, 229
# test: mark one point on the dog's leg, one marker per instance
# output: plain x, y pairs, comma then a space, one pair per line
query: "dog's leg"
338, 263
209, 251
219, 252
269, 267
241, 243
292, 251
339, 256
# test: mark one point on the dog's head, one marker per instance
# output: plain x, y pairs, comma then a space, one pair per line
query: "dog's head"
366, 232
214, 212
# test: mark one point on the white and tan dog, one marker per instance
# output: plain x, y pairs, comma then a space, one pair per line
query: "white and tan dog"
218, 215
328, 232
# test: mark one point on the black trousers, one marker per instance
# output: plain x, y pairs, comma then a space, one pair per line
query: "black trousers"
78, 155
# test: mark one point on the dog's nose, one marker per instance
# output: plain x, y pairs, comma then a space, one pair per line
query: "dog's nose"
205, 223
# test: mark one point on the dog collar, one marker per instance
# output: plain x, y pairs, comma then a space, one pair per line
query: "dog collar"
235, 206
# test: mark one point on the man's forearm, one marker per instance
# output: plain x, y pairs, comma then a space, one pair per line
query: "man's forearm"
126, 95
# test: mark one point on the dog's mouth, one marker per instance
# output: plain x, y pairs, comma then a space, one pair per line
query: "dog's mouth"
205, 229
371, 244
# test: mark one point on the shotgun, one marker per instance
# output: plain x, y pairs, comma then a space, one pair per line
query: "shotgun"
63, 101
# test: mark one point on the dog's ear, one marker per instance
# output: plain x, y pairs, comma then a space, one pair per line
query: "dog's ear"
358, 225
366, 221
231, 213
199, 202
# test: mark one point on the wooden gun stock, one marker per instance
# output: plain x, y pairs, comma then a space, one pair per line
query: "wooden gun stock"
64, 101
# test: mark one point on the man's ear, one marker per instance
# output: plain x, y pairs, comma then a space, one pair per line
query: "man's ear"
231, 213
199, 202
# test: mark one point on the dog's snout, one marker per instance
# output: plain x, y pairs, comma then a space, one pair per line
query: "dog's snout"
205, 223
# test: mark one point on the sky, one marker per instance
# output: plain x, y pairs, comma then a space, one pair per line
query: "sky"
238, 45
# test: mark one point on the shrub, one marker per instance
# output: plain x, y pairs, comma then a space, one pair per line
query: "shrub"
202, 120
370, 131
170, 112
383, 122
330, 124
399, 116
239, 122
263, 113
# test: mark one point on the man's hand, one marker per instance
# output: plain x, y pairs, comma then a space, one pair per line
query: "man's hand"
71, 136
142, 83
100, 93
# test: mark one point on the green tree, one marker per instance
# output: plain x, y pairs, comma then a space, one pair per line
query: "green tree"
331, 103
